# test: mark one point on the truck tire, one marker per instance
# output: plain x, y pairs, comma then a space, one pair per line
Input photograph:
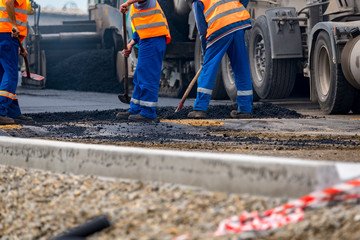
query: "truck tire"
356, 104
272, 78
335, 94
219, 92
256, 97
229, 80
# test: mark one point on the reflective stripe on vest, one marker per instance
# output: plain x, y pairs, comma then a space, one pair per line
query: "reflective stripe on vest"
145, 14
225, 13
219, 14
151, 25
20, 15
7, 20
17, 10
212, 8
150, 22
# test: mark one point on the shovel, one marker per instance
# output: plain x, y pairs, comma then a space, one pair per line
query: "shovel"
30, 80
124, 98
192, 83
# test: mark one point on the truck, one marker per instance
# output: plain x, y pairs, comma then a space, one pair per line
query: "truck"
318, 40
315, 38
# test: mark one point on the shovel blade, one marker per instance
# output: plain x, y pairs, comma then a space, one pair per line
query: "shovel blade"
124, 98
35, 81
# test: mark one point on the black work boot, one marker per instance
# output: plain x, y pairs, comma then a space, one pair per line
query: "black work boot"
4, 120
123, 115
23, 120
139, 118
197, 114
239, 115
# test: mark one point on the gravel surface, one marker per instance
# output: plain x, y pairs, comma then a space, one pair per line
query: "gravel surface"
273, 130
40, 205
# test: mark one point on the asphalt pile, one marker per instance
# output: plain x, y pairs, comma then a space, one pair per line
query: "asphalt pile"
260, 110
41, 205
91, 71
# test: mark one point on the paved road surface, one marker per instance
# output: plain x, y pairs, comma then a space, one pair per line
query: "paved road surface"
47, 100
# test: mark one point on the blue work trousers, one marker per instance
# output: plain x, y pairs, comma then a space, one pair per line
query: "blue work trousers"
147, 75
234, 45
9, 54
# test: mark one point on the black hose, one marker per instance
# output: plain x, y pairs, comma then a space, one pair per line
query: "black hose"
38, 19
81, 232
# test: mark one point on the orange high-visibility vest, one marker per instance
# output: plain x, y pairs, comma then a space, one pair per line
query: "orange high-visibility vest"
220, 13
150, 22
20, 15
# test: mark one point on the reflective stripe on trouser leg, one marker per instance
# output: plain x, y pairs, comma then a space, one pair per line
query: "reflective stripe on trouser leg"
212, 60
241, 69
9, 53
148, 73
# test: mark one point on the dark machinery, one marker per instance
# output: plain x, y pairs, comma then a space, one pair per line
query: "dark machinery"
317, 39
48, 45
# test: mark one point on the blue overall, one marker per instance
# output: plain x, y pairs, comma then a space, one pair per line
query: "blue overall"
9, 54
234, 45
147, 75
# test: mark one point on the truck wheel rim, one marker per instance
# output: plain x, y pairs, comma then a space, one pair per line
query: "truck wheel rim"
260, 57
324, 71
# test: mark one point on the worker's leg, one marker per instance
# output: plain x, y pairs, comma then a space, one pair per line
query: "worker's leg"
212, 60
135, 98
149, 73
9, 53
1, 71
240, 66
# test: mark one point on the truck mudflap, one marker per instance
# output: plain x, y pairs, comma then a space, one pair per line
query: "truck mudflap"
285, 33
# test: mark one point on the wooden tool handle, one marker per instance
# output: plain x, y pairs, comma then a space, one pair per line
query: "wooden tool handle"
22, 49
126, 76
191, 85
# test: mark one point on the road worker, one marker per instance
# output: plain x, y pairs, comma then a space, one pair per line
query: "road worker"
221, 24
151, 33
13, 25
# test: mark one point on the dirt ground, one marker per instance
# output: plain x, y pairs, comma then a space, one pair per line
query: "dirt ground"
272, 131
148, 210
41, 205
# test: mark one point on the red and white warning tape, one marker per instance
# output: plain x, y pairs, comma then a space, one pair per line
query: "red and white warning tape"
317, 196
288, 213
257, 223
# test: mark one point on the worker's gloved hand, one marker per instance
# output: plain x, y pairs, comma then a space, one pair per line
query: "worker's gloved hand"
127, 51
15, 32
24, 53
124, 8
